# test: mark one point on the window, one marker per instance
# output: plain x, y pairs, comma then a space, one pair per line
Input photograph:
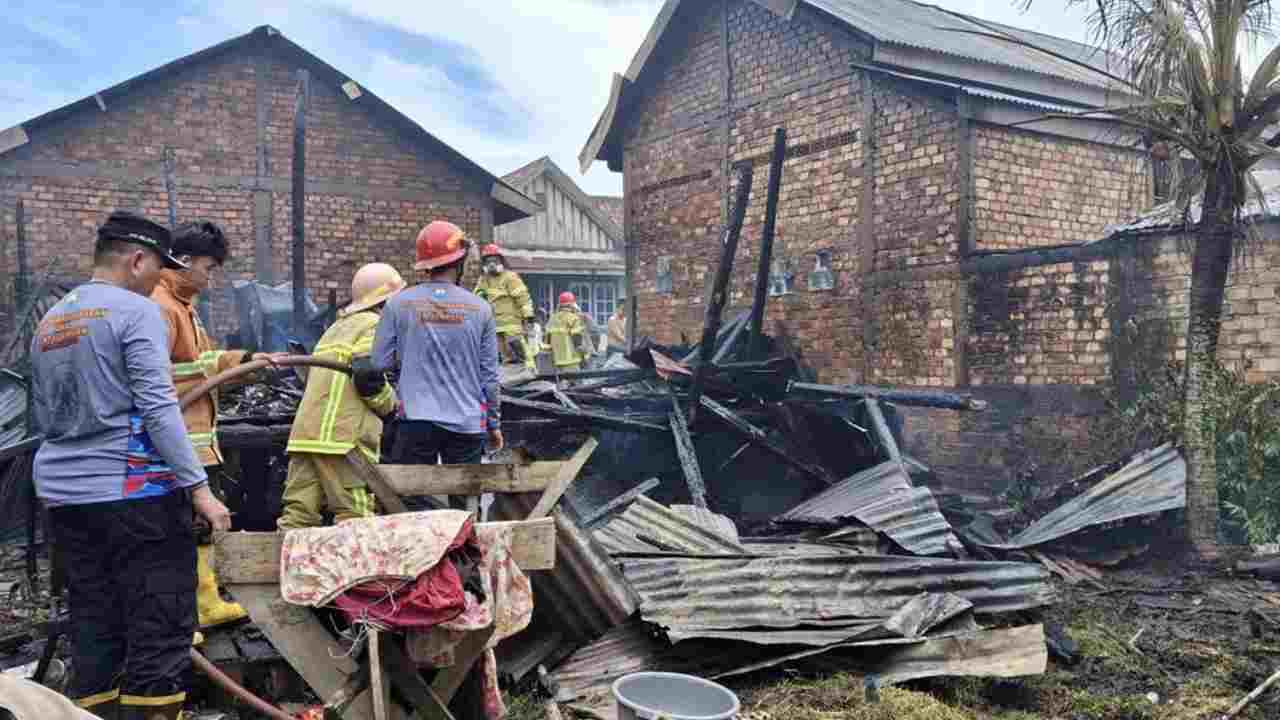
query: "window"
780, 276
822, 278
605, 302
664, 274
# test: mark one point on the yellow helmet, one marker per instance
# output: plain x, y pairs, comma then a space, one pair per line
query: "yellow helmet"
373, 285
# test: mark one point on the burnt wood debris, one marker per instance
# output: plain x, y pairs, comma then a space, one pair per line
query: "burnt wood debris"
722, 512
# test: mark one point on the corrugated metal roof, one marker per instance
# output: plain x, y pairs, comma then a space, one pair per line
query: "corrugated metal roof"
882, 497
927, 27
13, 410
647, 518
633, 647
1169, 217
1152, 482
1002, 652
685, 595
585, 591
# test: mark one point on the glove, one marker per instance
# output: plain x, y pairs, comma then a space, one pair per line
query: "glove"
516, 348
368, 381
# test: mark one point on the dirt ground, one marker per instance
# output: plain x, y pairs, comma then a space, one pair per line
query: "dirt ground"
1202, 647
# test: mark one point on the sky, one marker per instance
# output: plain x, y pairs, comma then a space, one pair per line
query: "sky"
502, 81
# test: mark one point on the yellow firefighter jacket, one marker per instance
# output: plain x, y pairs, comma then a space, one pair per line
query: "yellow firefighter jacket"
565, 331
333, 418
510, 300
194, 360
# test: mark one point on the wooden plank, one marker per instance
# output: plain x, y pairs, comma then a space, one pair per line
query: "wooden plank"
883, 434
568, 471
304, 642
469, 479
378, 686
377, 482
405, 677
465, 655
687, 453
252, 558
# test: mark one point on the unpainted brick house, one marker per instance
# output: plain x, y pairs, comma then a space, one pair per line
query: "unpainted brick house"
219, 125
935, 227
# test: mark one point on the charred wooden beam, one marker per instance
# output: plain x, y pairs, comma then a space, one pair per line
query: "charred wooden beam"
242, 437
766, 242
898, 396
619, 381
21, 282
719, 290
615, 374
564, 399
761, 438
591, 416
688, 454
299, 200
588, 521
883, 434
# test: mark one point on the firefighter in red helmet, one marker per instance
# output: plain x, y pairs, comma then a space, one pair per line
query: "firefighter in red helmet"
444, 341
567, 334
512, 306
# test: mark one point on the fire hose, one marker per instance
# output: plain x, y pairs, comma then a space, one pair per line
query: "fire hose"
204, 388
253, 701
209, 385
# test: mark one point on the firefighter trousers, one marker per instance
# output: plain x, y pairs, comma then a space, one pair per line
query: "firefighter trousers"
320, 482
131, 580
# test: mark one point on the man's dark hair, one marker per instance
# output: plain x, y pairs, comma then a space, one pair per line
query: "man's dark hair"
199, 239
107, 248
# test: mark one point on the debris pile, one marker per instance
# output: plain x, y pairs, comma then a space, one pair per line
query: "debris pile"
774, 520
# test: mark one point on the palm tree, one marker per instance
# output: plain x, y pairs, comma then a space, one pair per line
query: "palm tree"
1181, 86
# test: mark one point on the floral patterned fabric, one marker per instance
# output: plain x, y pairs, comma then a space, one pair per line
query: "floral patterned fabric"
508, 606
318, 564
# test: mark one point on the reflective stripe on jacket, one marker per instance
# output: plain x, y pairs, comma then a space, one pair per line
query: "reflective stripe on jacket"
510, 299
194, 360
564, 333
333, 418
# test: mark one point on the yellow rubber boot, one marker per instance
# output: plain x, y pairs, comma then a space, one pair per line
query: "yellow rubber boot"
212, 609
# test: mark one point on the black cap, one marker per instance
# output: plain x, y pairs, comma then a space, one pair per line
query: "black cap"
134, 228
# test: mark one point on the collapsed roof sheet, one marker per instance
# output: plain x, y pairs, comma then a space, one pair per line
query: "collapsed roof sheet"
1154, 481
882, 497
690, 595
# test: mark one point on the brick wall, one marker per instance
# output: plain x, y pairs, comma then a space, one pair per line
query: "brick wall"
1034, 190
372, 188
1045, 325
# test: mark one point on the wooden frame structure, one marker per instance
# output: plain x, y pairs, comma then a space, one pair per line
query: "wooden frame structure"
248, 564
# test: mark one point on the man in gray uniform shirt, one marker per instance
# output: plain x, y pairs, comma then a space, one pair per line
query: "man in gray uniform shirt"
444, 340
121, 478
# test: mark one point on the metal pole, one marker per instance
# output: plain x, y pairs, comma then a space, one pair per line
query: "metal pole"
299, 197
766, 242
715, 304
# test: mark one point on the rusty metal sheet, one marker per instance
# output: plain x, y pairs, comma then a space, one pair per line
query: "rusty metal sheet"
586, 592
703, 517
647, 522
689, 595
1154, 481
1004, 652
883, 498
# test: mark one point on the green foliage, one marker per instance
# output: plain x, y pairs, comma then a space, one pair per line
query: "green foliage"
1245, 419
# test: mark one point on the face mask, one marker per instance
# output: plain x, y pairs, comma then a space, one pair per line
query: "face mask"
493, 267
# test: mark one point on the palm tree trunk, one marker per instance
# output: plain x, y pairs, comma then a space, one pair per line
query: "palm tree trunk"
1210, 262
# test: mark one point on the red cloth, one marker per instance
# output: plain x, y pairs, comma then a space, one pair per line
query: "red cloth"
434, 597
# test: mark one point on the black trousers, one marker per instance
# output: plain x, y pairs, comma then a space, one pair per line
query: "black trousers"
419, 442
131, 580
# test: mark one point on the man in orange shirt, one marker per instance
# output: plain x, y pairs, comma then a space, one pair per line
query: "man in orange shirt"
203, 248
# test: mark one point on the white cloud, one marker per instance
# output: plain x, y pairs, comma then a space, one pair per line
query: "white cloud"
553, 58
